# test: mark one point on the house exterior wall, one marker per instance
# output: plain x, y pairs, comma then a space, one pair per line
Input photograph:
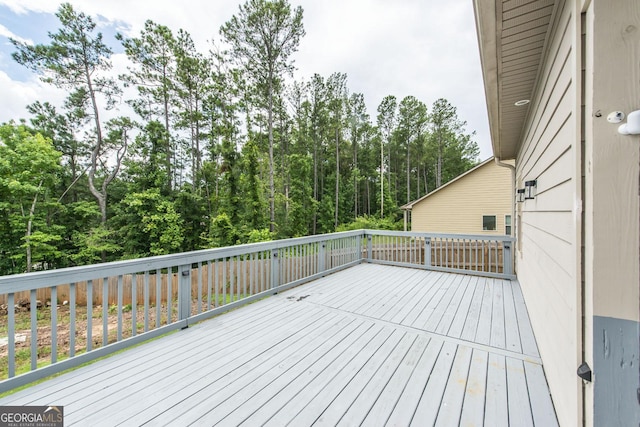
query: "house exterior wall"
612, 214
549, 244
459, 207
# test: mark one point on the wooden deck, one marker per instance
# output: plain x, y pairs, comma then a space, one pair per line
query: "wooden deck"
371, 345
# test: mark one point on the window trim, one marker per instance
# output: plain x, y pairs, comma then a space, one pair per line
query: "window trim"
510, 225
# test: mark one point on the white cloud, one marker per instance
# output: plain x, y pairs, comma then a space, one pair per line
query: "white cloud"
5, 32
17, 95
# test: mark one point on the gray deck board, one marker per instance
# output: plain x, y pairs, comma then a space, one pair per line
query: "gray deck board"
371, 345
475, 393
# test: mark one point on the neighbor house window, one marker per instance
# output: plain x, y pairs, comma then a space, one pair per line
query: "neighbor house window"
488, 222
507, 225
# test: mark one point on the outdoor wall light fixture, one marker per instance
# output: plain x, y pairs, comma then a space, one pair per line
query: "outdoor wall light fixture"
520, 195
530, 189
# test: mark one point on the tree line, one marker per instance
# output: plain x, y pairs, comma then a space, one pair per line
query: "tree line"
217, 148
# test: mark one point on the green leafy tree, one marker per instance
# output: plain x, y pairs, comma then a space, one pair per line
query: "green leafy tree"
412, 123
153, 73
149, 225
386, 124
263, 36
29, 166
78, 60
453, 147
192, 75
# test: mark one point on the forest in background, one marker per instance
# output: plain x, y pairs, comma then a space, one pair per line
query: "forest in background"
191, 150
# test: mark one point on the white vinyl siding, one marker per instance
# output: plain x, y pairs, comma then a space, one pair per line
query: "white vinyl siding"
548, 248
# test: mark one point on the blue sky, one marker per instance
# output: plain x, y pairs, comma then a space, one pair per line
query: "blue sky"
424, 48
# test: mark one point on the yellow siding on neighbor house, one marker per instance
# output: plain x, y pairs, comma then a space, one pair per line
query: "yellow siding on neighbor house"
548, 247
459, 207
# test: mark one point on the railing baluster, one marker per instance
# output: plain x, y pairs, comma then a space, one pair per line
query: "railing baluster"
134, 304
119, 308
11, 330
105, 313
146, 301
158, 297
209, 284
34, 329
89, 315
72, 319
169, 295
216, 284
199, 287
224, 281
54, 324
245, 260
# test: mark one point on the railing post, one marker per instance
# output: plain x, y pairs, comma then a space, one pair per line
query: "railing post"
184, 292
369, 247
507, 259
321, 256
275, 268
427, 251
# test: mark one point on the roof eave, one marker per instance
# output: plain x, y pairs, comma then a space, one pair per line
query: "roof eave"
487, 30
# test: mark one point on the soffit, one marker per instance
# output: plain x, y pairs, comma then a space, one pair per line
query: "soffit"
511, 37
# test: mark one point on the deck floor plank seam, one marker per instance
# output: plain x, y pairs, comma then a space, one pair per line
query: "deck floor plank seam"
445, 338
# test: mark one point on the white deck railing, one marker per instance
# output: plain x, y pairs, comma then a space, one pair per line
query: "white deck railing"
91, 311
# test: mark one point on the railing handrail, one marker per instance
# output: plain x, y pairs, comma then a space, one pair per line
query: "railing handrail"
492, 237
46, 278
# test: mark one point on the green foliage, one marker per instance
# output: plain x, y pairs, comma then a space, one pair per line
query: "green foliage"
29, 165
262, 235
223, 232
151, 225
92, 243
372, 223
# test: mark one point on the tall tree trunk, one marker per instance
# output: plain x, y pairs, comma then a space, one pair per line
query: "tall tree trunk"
165, 96
337, 176
439, 165
315, 181
381, 178
29, 227
408, 176
356, 196
272, 207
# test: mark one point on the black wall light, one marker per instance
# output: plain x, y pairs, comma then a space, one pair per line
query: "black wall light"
530, 189
520, 195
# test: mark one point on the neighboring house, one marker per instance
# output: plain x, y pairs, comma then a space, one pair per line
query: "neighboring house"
553, 71
480, 201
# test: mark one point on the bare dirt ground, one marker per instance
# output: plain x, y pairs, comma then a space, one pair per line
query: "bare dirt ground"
63, 332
